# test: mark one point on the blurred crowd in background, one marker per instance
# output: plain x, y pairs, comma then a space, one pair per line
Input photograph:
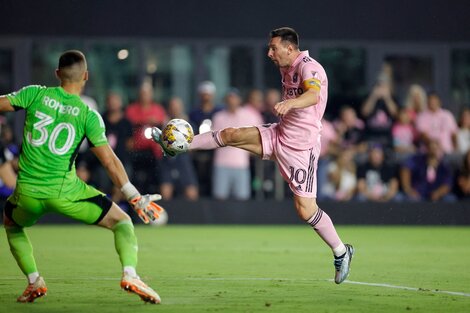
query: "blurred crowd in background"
380, 150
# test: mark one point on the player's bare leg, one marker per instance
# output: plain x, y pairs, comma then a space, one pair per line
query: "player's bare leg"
22, 251
308, 210
126, 246
247, 138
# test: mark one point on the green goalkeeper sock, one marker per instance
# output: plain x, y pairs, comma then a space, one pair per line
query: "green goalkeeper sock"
125, 242
21, 249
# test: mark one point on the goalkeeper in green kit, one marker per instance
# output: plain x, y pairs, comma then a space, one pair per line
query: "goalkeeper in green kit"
56, 123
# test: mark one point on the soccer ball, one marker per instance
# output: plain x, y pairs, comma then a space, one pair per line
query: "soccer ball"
162, 220
177, 135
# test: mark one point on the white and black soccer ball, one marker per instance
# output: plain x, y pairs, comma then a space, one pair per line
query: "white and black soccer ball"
162, 220
177, 135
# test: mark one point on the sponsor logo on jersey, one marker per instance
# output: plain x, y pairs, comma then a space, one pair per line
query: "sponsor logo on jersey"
63, 109
293, 91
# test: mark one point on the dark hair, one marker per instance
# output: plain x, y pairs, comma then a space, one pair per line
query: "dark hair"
433, 93
70, 58
286, 34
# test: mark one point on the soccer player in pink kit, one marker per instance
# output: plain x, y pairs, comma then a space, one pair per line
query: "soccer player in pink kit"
294, 142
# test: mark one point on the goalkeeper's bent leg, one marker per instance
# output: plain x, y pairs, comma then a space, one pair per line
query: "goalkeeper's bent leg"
21, 249
125, 242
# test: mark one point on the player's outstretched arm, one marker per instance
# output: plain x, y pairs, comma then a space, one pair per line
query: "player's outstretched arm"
143, 204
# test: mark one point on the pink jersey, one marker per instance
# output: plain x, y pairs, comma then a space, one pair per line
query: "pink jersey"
300, 128
329, 134
439, 125
230, 156
403, 135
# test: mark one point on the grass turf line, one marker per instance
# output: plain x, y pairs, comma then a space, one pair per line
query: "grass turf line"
245, 269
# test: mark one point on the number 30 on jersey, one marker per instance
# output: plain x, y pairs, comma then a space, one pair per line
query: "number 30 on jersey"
40, 126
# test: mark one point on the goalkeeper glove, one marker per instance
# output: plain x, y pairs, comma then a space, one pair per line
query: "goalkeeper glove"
145, 208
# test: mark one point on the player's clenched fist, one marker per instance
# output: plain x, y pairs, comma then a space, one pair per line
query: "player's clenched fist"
281, 108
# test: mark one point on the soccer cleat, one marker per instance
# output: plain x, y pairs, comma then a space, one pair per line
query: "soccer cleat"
343, 263
157, 137
33, 291
135, 285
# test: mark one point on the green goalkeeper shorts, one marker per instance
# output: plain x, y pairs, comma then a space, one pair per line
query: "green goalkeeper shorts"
90, 208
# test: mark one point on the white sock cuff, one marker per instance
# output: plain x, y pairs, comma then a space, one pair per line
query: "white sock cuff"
339, 250
32, 277
129, 270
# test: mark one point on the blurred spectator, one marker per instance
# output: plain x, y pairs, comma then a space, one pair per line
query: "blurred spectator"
231, 176
463, 133
255, 104
178, 171
272, 96
254, 107
329, 150
379, 110
12, 150
404, 135
119, 134
342, 182
437, 123
206, 107
415, 102
268, 178
463, 178
7, 175
426, 176
204, 112
350, 130
89, 101
143, 114
8, 160
377, 179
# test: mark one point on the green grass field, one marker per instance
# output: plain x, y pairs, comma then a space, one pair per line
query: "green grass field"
247, 269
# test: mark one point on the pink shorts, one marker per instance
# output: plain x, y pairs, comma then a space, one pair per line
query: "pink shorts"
298, 167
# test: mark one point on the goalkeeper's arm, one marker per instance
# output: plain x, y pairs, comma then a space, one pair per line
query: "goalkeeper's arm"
143, 205
112, 165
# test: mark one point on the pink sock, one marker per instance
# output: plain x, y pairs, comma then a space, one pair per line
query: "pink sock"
324, 227
207, 141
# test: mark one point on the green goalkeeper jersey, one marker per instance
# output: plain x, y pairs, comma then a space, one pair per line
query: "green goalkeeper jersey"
55, 125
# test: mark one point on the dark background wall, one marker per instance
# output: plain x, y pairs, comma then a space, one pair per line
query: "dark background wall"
404, 20
208, 211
